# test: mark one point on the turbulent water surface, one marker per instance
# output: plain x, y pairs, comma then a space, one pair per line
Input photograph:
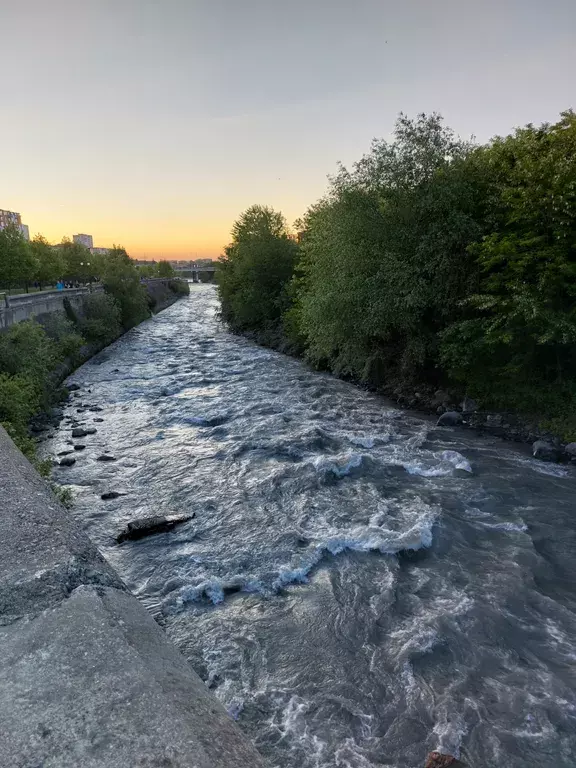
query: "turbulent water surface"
357, 587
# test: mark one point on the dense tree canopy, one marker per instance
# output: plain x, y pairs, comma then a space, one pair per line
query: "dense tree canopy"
256, 270
432, 261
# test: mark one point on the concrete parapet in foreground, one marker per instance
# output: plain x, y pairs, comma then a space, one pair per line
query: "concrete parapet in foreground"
87, 677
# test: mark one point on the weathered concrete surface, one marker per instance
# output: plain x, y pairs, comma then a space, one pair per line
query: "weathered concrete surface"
87, 678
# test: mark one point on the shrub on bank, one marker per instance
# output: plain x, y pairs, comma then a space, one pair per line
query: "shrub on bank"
101, 322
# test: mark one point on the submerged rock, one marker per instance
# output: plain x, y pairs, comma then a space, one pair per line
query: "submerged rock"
106, 457
79, 447
449, 419
73, 387
544, 450
147, 526
67, 461
79, 432
438, 760
570, 449
111, 495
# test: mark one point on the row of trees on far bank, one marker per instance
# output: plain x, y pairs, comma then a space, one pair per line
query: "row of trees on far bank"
433, 262
24, 262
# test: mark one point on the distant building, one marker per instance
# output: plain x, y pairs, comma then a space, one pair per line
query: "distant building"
25, 229
85, 240
99, 251
10, 217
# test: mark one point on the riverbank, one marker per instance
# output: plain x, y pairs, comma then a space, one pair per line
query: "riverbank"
508, 425
86, 675
36, 355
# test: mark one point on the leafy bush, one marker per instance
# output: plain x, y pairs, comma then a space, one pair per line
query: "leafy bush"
101, 322
62, 330
255, 273
121, 280
179, 287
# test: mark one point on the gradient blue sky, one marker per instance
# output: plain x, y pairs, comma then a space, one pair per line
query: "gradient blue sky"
154, 124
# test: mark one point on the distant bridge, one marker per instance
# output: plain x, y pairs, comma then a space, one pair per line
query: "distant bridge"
193, 270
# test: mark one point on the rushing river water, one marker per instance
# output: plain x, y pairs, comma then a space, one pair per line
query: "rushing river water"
351, 592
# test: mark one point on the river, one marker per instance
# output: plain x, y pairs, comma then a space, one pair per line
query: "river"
348, 588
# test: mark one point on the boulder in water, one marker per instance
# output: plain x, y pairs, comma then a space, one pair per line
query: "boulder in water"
147, 526
570, 449
438, 760
106, 457
449, 419
111, 495
73, 387
544, 450
79, 432
79, 447
67, 461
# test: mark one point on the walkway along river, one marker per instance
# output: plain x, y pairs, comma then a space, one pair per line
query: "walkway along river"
352, 592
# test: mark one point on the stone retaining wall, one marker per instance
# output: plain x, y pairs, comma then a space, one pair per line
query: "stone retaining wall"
87, 678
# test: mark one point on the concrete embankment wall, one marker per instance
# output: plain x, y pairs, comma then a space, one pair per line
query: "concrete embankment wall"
15, 309
87, 678
24, 306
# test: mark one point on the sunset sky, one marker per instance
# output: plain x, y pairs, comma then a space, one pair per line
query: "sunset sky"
154, 123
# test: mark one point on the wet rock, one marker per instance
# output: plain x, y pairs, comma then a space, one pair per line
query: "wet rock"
79, 447
98, 419
494, 420
438, 760
164, 392
449, 419
65, 453
570, 449
79, 432
440, 410
96, 409
544, 450
67, 461
111, 495
106, 457
73, 387
90, 430
147, 526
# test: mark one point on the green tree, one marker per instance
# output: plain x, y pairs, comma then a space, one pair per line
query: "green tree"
78, 261
50, 264
254, 273
101, 320
121, 279
17, 263
165, 269
518, 336
385, 261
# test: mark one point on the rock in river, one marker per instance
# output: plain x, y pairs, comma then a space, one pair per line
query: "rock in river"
449, 419
67, 461
545, 450
106, 457
111, 495
146, 526
438, 760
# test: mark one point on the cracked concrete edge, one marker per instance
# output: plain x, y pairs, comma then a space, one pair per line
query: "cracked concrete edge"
67, 623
